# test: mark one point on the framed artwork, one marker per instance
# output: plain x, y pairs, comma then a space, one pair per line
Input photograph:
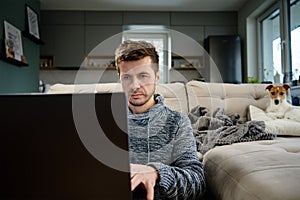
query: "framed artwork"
32, 21
13, 42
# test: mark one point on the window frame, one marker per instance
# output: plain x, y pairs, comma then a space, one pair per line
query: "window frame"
284, 23
153, 32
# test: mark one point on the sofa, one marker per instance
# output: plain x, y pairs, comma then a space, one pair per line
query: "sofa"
260, 169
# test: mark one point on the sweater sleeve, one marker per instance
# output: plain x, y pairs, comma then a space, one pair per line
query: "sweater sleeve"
184, 178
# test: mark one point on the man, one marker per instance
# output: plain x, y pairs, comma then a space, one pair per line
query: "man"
163, 156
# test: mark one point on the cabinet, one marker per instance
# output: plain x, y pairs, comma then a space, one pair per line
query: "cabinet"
69, 45
71, 36
96, 34
65, 43
48, 33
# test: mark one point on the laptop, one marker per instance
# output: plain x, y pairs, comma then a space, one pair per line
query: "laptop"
64, 146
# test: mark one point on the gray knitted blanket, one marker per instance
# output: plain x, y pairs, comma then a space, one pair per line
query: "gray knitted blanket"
216, 128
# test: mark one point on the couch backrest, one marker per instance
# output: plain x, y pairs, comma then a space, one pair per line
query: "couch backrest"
174, 93
84, 88
234, 98
175, 96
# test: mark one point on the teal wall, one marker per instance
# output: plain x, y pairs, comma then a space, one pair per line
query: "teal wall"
15, 79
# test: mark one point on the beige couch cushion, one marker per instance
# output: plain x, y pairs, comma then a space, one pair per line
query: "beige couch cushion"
174, 93
175, 96
234, 98
267, 170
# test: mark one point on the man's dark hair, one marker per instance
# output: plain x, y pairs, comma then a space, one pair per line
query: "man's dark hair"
135, 50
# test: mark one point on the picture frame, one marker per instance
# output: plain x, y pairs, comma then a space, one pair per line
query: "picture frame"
32, 22
13, 43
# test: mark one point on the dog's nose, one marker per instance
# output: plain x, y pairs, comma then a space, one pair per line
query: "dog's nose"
276, 101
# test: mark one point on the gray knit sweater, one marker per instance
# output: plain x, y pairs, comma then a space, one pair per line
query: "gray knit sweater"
163, 138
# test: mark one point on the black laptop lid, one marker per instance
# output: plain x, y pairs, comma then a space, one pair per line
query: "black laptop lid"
46, 152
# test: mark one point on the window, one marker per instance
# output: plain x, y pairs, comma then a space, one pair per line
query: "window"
157, 35
279, 39
295, 38
270, 45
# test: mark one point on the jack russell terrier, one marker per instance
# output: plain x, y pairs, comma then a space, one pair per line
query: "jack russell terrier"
278, 107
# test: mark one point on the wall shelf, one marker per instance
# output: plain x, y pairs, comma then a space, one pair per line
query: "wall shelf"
186, 68
13, 61
187, 62
99, 62
76, 68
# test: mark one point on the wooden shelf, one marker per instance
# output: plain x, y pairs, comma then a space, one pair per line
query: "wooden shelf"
99, 62
77, 68
49, 68
187, 68
99, 68
187, 62
13, 61
59, 68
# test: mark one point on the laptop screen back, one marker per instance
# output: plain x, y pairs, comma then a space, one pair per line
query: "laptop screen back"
45, 152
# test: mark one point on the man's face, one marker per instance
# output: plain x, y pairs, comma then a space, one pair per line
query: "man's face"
138, 80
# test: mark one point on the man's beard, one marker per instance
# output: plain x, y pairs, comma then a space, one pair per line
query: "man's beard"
147, 99
140, 103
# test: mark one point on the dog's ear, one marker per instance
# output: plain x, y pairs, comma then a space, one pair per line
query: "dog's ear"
286, 86
269, 87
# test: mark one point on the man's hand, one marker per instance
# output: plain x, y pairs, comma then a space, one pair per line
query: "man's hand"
145, 175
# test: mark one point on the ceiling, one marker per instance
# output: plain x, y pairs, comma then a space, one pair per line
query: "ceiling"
143, 5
